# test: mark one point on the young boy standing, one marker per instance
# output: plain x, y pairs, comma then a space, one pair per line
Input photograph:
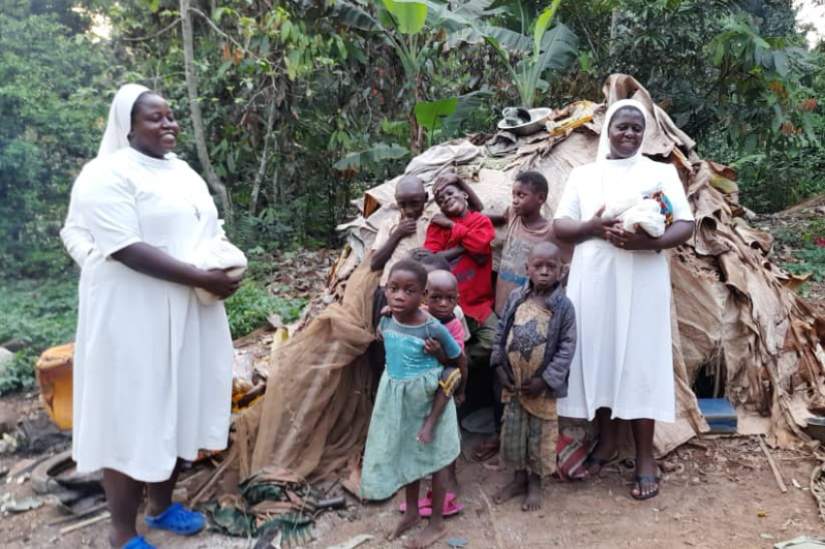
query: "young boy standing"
525, 228
534, 346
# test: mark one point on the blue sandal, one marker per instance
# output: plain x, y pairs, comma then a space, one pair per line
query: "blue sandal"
138, 542
178, 519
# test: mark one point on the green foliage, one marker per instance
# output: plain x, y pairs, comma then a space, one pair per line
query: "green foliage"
409, 17
810, 260
40, 313
530, 60
760, 92
432, 114
250, 306
51, 109
375, 155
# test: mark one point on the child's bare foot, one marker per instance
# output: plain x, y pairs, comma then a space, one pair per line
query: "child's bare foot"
532, 501
516, 487
409, 520
429, 536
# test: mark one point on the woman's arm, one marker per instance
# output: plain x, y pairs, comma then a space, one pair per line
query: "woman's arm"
573, 231
153, 262
678, 233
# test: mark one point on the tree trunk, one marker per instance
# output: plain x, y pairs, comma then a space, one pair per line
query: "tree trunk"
212, 179
259, 177
615, 17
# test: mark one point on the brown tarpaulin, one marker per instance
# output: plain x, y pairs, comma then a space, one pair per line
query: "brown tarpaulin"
734, 314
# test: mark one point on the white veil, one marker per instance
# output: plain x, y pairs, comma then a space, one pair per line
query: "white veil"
119, 124
604, 139
76, 237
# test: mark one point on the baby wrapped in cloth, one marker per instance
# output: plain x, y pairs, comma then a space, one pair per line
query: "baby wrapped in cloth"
652, 211
218, 253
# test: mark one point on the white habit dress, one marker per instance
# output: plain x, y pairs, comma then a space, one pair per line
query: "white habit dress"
152, 366
623, 359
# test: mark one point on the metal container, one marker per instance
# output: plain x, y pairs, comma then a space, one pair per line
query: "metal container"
538, 118
816, 428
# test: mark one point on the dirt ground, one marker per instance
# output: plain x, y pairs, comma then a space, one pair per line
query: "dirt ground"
716, 493
720, 492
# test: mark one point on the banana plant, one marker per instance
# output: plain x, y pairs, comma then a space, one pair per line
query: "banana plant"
404, 25
527, 58
400, 22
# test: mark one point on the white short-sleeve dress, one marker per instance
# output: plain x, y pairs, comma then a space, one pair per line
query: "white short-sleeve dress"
623, 359
152, 366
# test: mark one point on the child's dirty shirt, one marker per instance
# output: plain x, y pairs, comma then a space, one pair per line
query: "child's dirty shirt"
518, 241
405, 245
526, 344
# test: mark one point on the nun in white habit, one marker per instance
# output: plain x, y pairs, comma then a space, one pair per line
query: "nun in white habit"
152, 365
619, 284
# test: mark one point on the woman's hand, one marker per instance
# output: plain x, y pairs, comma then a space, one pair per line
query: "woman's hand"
598, 226
442, 221
632, 241
216, 281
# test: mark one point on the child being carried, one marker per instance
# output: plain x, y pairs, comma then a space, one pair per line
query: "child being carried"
414, 430
651, 212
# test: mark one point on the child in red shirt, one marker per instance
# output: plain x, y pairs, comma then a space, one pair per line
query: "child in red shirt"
462, 235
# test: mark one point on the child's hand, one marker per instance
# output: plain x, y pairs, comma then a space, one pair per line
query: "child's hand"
505, 380
442, 221
425, 434
534, 387
386, 311
434, 348
406, 227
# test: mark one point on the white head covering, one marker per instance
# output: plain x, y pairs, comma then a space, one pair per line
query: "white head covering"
604, 138
119, 124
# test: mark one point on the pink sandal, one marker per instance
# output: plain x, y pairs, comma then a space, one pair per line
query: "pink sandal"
425, 504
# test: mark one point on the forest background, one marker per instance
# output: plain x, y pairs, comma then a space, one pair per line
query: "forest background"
301, 105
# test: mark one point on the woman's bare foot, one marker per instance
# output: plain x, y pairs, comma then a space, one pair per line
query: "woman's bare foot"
431, 534
532, 501
516, 487
409, 520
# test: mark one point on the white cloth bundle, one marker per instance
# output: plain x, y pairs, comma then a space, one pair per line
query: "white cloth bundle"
218, 253
636, 211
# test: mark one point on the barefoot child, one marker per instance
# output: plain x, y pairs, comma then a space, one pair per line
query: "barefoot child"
534, 347
409, 436
525, 228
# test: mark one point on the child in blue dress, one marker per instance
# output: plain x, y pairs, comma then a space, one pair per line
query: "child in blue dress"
409, 438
